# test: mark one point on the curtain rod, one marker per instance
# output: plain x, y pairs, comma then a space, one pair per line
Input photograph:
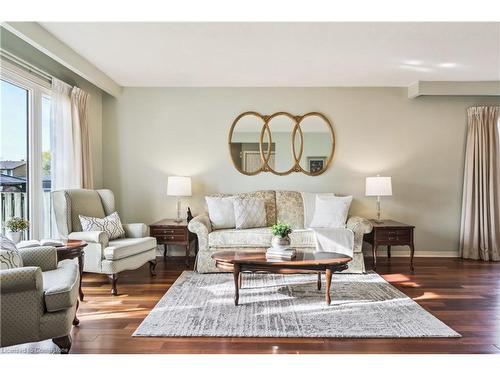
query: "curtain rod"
27, 66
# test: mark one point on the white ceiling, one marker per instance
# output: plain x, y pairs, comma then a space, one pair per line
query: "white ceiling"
286, 54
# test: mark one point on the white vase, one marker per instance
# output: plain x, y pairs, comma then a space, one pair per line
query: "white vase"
14, 236
279, 242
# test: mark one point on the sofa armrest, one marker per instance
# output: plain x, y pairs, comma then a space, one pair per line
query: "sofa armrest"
44, 257
20, 280
359, 225
97, 237
201, 226
136, 230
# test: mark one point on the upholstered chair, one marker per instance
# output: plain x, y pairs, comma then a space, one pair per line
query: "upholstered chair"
103, 255
39, 300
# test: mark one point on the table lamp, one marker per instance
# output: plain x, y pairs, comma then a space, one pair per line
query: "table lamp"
378, 186
179, 186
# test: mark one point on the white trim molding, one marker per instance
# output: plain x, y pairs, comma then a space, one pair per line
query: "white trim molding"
41, 39
405, 253
454, 88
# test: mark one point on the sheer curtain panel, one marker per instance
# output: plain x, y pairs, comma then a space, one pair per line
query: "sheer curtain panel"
71, 159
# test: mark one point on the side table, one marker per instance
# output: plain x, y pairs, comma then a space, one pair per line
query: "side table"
71, 250
170, 232
390, 233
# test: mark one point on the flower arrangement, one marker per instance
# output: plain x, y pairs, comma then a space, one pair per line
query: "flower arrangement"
281, 229
16, 224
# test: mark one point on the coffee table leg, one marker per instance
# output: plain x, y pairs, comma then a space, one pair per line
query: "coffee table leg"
328, 275
80, 269
319, 280
236, 274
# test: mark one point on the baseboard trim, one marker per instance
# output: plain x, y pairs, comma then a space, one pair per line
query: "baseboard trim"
418, 254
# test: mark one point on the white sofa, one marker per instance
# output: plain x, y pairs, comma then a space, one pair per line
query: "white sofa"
281, 206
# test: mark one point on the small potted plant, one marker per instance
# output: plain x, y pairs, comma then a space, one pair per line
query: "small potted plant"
15, 227
281, 232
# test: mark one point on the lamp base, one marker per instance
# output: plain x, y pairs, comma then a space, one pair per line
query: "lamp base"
378, 221
178, 221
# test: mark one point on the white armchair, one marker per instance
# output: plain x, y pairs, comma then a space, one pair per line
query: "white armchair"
101, 254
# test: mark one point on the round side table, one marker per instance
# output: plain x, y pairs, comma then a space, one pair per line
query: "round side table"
71, 250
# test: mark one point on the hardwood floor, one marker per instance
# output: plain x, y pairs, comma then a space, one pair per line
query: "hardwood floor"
463, 294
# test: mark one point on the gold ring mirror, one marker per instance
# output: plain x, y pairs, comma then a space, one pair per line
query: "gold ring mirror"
281, 143
281, 127
248, 147
318, 143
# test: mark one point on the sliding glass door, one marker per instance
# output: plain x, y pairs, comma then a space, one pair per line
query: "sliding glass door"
25, 154
14, 178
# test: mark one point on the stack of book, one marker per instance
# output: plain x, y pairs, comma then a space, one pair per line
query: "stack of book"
280, 253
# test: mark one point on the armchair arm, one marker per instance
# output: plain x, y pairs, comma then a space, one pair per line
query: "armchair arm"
359, 225
201, 226
136, 230
97, 237
44, 257
21, 279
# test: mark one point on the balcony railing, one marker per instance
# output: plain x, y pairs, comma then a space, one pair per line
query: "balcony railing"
16, 205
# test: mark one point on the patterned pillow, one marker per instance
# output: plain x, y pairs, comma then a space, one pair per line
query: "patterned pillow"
9, 255
111, 224
249, 213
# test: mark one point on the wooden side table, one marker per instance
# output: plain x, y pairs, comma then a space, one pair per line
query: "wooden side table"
169, 232
390, 233
71, 250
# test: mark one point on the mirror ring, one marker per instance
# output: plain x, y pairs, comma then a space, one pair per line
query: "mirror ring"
262, 158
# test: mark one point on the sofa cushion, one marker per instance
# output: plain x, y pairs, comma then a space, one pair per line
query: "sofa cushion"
269, 197
290, 208
60, 286
125, 247
256, 237
260, 238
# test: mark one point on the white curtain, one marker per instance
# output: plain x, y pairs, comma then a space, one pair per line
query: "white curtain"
71, 163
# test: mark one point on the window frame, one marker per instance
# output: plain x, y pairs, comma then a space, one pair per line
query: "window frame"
37, 88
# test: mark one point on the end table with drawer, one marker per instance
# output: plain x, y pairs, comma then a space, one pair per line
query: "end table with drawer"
390, 233
170, 232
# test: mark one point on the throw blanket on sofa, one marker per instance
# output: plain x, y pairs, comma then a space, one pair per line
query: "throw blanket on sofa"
336, 240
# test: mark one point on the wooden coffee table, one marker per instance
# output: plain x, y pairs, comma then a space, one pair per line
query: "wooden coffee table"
255, 261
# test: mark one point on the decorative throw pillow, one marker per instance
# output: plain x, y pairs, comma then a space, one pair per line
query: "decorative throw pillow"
9, 254
110, 224
331, 212
249, 213
221, 212
309, 201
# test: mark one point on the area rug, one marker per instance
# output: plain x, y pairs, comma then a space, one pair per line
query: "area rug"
288, 306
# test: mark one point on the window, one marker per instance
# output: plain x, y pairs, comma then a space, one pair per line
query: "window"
25, 154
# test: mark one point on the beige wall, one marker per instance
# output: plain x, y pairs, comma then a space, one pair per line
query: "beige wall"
151, 133
18, 47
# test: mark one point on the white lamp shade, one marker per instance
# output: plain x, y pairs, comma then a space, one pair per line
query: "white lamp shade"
179, 186
378, 186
